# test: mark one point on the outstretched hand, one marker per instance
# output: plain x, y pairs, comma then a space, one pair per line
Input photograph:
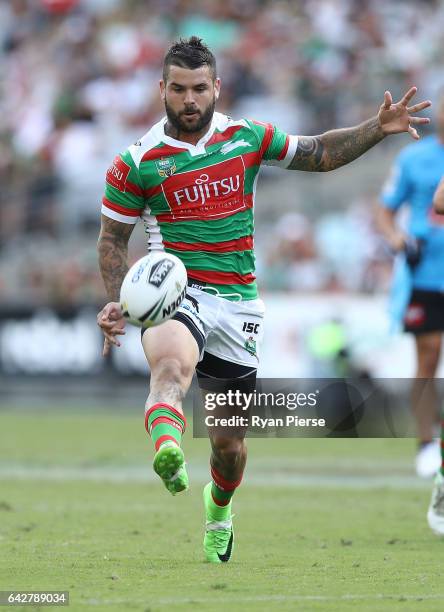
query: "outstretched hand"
397, 118
112, 324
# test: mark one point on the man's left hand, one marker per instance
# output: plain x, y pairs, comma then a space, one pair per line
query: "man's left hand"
397, 118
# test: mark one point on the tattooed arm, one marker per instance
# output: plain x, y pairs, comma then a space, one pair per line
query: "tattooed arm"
112, 247
113, 255
336, 148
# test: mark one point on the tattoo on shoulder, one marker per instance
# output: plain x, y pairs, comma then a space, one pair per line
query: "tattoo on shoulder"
308, 154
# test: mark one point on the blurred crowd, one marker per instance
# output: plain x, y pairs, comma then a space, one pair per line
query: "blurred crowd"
79, 81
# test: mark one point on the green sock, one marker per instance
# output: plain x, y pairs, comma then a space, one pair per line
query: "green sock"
165, 425
222, 490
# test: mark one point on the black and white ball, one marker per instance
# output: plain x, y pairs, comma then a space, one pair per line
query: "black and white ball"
153, 289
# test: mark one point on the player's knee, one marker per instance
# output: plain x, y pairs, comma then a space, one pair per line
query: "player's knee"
172, 372
229, 451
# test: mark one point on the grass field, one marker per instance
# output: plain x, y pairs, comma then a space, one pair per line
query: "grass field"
320, 524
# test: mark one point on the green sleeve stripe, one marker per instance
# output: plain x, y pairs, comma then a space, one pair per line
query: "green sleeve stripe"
127, 199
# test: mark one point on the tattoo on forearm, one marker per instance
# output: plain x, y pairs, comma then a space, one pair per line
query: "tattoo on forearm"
336, 148
113, 255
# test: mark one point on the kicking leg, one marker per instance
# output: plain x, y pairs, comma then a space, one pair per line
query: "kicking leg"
172, 354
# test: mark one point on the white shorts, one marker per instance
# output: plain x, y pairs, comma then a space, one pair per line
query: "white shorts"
232, 331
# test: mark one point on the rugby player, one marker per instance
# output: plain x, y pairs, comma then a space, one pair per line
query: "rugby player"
418, 280
435, 514
191, 179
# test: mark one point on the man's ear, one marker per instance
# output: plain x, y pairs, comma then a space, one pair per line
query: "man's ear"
162, 89
217, 88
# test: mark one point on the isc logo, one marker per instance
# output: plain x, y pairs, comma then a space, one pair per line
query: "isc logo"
159, 272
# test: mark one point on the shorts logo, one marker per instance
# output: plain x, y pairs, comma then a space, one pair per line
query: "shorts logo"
214, 191
415, 315
250, 346
159, 272
166, 166
117, 174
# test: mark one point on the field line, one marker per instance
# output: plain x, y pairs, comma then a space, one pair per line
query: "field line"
200, 475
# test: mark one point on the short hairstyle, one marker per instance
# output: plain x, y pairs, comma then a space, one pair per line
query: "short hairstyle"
189, 53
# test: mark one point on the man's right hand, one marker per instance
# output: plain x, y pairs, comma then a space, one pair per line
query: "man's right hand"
111, 322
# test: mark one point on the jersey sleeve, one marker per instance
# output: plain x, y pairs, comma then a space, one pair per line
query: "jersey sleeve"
397, 188
123, 199
277, 148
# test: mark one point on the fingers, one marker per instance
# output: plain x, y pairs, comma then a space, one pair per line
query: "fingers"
419, 107
413, 133
408, 96
109, 341
419, 120
388, 100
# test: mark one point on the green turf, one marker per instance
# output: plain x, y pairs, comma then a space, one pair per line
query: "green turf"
77, 514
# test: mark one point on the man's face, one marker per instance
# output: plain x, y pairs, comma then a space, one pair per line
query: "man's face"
190, 97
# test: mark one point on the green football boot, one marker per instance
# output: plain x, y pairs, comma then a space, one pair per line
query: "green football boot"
218, 540
169, 464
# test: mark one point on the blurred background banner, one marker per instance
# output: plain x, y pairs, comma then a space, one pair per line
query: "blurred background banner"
79, 82
307, 336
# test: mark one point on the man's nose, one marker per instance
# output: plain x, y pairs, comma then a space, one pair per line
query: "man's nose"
189, 97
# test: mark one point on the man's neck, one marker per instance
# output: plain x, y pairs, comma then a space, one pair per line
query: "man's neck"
189, 137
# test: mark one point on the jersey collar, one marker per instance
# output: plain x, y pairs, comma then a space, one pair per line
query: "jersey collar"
197, 149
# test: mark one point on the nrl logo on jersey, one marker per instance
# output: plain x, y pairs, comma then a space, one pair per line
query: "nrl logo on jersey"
166, 166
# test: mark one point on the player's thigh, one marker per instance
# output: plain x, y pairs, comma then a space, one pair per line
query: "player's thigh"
171, 343
224, 385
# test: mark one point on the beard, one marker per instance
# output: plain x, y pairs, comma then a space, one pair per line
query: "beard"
178, 122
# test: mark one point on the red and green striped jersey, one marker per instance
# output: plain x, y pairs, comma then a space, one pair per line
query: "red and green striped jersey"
196, 201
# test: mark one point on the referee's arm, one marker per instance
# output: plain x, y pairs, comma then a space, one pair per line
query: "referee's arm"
438, 198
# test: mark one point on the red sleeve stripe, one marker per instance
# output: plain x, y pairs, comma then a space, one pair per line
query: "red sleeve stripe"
129, 212
163, 151
134, 189
269, 131
283, 153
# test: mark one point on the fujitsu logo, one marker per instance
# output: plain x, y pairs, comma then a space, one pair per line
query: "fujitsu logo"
116, 172
204, 189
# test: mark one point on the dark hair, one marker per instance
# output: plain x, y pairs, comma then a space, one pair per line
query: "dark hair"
189, 53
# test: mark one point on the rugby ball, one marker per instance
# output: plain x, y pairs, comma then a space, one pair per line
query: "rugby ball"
153, 289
